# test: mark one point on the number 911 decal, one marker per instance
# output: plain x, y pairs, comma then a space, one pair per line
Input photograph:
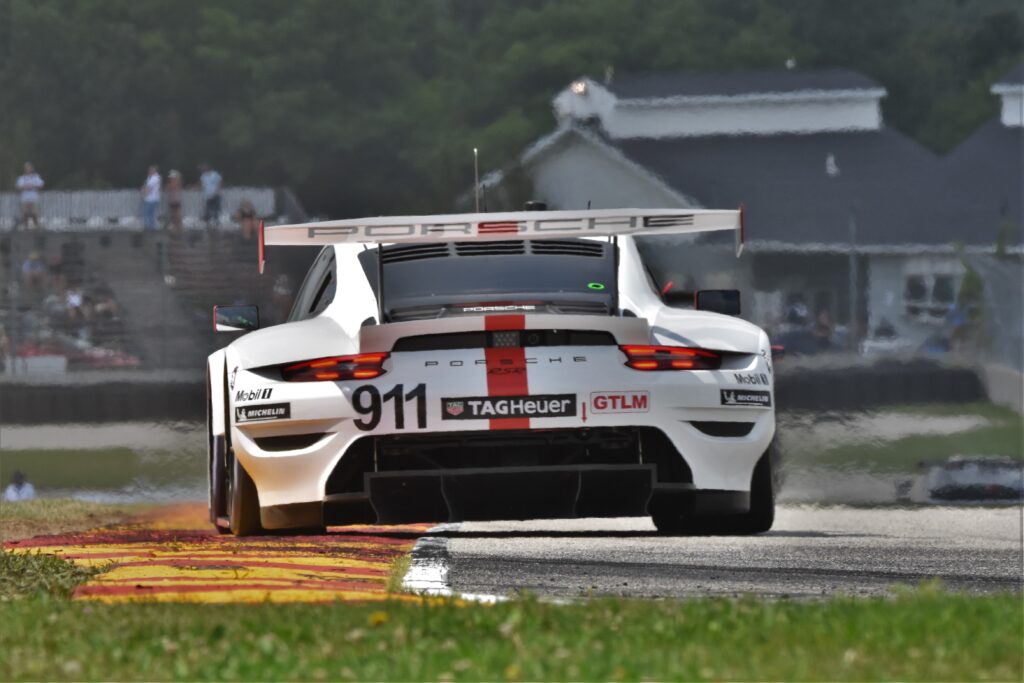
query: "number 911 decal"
369, 402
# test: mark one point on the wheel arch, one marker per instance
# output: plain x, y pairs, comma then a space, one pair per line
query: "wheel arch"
216, 394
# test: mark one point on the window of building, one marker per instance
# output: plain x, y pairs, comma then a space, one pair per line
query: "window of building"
929, 296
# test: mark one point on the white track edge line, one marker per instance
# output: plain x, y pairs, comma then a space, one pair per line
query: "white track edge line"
428, 568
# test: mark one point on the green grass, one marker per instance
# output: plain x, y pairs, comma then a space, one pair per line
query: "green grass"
396, 573
920, 635
1003, 435
989, 410
909, 453
54, 469
27, 518
27, 574
101, 468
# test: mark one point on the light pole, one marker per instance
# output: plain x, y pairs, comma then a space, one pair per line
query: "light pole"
853, 296
476, 179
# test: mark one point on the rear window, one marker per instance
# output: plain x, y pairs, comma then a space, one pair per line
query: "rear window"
434, 280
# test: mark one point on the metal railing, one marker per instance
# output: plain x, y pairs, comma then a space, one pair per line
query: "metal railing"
122, 209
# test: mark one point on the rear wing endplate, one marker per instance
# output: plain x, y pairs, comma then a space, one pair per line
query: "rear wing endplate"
473, 227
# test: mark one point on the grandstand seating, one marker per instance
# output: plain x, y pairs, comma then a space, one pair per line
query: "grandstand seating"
163, 284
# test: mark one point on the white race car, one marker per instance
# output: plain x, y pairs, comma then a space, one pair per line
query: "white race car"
492, 366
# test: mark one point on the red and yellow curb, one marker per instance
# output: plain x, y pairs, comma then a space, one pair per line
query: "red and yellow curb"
173, 555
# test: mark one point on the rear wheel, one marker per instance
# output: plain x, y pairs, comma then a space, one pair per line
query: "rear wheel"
216, 470
757, 520
218, 485
243, 500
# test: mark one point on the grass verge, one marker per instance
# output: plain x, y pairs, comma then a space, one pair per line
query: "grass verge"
396, 573
27, 518
991, 411
102, 468
1003, 435
910, 453
28, 574
920, 635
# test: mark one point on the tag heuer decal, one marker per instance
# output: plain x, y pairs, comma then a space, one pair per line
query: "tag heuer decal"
497, 407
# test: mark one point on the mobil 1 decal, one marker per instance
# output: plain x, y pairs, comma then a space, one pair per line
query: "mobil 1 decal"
746, 397
497, 407
245, 395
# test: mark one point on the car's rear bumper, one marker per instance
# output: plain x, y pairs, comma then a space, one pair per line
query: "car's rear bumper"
549, 474
293, 459
507, 493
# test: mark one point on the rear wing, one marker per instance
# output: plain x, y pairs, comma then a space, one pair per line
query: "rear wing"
471, 227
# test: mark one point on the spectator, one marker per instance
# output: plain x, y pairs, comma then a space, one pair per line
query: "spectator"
29, 184
174, 196
246, 218
151, 197
281, 298
106, 305
211, 183
5, 348
33, 271
74, 301
19, 489
796, 313
823, 329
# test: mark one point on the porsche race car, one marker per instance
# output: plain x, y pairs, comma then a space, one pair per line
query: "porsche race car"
517, 365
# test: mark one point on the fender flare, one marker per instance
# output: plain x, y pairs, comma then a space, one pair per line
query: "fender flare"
216, 372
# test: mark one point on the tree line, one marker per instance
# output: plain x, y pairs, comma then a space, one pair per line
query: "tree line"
367, 107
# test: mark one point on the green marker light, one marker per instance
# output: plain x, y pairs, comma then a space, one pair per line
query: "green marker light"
595, 285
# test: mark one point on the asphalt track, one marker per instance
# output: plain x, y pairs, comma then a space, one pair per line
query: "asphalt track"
172, 554
811, 552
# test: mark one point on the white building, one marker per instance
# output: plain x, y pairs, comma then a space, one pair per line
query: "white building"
833, 196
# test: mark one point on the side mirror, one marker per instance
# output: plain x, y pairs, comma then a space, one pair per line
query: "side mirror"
236, 318
724, 301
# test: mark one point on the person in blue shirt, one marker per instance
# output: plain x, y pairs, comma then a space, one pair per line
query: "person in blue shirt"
19, 489
211, 182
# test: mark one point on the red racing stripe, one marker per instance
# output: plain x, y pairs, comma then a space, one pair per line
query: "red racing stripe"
143, 589
506, 369
494, 323
226, 564
498, 228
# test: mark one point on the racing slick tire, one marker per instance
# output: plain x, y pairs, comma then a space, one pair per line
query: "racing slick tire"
217, 456
243, 500
757, 520
218, 485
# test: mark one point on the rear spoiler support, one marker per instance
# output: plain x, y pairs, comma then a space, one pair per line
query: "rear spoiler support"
380, 283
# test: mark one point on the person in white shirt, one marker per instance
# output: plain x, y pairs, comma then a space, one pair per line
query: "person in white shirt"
151, 197
29, 184
211, 182
19, 489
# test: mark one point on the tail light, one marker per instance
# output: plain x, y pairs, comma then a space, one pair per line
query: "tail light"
671, 358
361, 366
